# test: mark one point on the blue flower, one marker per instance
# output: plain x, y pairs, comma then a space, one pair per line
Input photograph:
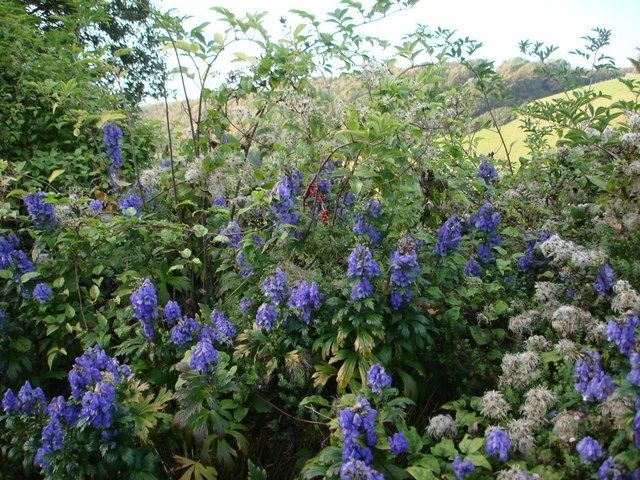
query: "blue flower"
590, 380
233, 233
10, 403
223, 330
246, 269
244, 305
275, 287
624, 336
605, 279
486, 219
462, 468
51, 440
449, 236
354, 422
91, 367
404, 267
397, 443
484, 253
634, 374
589, 449
96, 206
354, 469
184, 331
362, 289
609, 470
285, 193
377, 378
362, 264
487, 172
112, 134
362, 227
171, 312
266, 316
98, 405
60, 408
40, 213
204, 357
305, 298
497, 443
145, 303
219, 202
42, 293
472, 268
130, 201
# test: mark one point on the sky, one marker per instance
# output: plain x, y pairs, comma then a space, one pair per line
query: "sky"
498, 24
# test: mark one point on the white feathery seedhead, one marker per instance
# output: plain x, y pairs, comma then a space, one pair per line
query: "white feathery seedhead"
494, 406
442, 426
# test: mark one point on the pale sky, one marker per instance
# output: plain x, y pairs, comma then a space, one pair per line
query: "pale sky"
498, 24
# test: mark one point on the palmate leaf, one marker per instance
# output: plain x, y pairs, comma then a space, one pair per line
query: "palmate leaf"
195, 470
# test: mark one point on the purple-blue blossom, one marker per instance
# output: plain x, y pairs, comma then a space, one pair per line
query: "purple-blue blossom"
285, 193
222, 330
233, 233
590, 380
10, 403
484, 253
219, 202
42, 293
605, 278
449, 236
90, 368
184, 331
112, 134
377, 378
244, 267
462, 468
634, 374
355, 422
623, 335
397, 444
51, 440
96, 206
132, 201
361, 263
609, 470
487, 172
204, 357
266, 316
305, 298
244, 305
98, 405
40, 212
363, 288
171, 312
486, 219
589, 449
354, 469
472, 268
145, 306
497, 444
275, 287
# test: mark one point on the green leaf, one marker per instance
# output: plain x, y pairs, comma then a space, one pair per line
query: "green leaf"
445, 448
186, 253
200, 231
55, 174
29, 276
480, 461
94, 292
421, 473
480, 335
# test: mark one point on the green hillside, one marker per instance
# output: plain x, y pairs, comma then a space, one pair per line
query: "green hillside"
489, 141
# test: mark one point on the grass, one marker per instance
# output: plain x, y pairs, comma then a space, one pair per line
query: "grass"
489, 141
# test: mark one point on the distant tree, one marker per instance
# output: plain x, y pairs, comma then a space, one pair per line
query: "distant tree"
123, 30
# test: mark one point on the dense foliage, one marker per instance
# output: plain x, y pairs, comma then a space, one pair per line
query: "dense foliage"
308, 286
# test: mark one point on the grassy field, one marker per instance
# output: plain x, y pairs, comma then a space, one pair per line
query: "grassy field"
489, 141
